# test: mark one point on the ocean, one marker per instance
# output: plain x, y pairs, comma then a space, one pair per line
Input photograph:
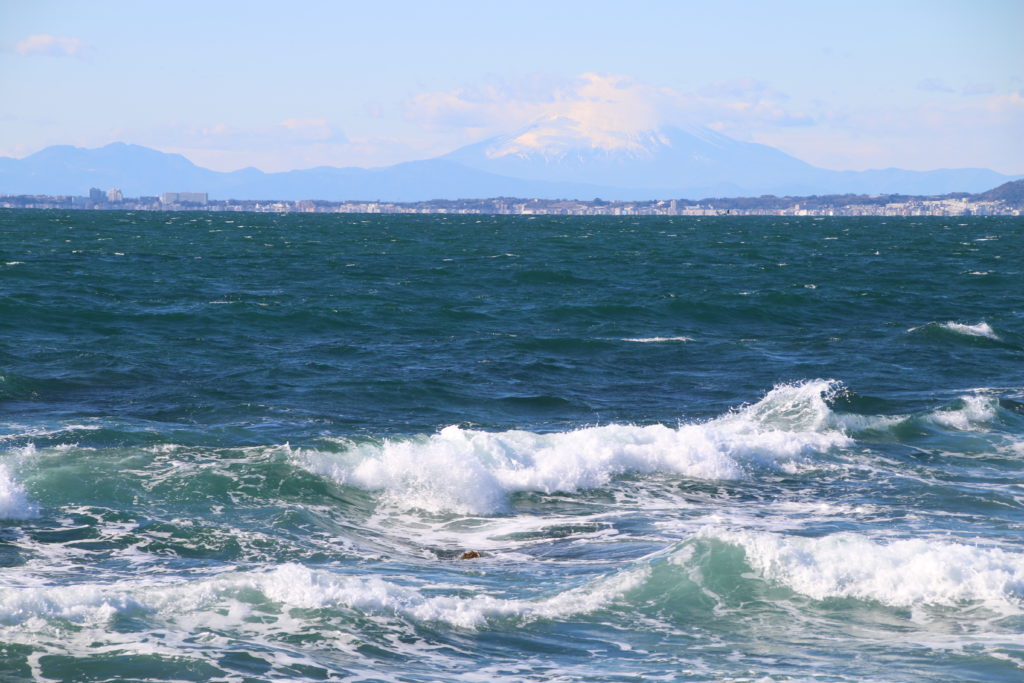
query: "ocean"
261, 447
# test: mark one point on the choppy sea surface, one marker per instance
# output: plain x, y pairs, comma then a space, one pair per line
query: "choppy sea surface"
241, 447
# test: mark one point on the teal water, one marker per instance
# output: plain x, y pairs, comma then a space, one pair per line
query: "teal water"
241, 447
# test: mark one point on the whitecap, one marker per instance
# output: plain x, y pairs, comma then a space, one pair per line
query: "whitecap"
473, 472
974, 411
294, 586
982, 329
898, 573
655, 340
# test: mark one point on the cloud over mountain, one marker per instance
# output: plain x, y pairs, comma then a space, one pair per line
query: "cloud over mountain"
607, 107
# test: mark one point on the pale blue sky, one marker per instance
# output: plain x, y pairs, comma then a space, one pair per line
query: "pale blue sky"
844, 85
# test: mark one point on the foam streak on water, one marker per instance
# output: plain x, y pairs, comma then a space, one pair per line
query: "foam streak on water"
345, 447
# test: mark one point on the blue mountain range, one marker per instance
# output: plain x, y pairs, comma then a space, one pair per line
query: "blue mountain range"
551, 159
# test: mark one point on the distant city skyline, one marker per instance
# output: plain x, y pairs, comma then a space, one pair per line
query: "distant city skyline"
842, 85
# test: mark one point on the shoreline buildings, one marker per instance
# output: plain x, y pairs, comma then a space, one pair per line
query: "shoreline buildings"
1007, 200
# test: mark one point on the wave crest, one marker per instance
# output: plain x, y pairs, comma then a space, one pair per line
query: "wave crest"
981, 329
473, 472
970, 413
900, 573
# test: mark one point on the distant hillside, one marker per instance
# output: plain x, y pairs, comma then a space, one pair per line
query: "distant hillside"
140, 171
556, 162
1011, 193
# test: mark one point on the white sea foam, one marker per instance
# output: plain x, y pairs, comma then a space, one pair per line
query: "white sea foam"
900, 573
655, 340
976, 411
473, 472
971, 412
42, 432
228, 599
504, 534
819, 510
982, 329
298, 586
14, 502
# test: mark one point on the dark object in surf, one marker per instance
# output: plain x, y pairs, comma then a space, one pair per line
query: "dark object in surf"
469, 555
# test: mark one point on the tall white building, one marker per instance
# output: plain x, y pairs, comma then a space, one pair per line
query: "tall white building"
183, 198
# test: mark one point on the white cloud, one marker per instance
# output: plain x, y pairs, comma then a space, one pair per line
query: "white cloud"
591, 99
309, 129
53, 46
742, 106
981, 131
602, 107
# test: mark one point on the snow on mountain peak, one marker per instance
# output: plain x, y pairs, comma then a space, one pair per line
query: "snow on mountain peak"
558, 136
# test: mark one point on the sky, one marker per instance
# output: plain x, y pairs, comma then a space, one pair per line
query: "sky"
846, 85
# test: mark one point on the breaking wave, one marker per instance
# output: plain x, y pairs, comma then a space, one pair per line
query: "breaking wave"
981, 329
14, 502
473, 472
899, 573
969, 413
234, 598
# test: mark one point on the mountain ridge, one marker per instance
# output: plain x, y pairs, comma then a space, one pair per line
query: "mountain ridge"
548, 160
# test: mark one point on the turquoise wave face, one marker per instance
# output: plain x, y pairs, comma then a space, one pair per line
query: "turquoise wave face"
265, 447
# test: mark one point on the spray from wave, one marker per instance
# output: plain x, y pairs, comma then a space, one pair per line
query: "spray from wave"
14, 502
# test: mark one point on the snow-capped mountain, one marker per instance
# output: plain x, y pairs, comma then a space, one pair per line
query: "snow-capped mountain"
562, 149
691, 161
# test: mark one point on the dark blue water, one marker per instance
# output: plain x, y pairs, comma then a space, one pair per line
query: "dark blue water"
255, 447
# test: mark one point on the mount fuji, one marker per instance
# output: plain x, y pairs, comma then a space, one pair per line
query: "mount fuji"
665, 160
694, 161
